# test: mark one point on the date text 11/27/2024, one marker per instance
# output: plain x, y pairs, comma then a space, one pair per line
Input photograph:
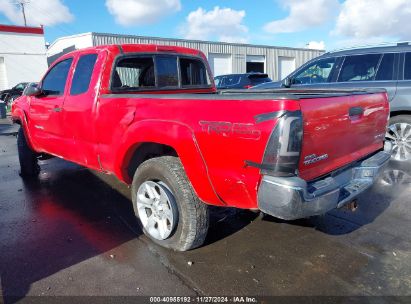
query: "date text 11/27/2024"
204, 299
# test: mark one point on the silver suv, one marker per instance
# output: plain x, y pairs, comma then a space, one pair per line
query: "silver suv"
386, 67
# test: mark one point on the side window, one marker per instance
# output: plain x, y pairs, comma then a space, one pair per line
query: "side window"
55, 80
82, 74
407, 67
231, 80
167, 71
217, 81
133, 73
222, 81
359, 68
193, 73
386, 69
317, 72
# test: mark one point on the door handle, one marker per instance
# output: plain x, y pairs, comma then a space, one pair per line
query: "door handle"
355, 111
57, 109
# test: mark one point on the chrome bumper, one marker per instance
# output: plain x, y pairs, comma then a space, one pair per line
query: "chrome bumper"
292, 197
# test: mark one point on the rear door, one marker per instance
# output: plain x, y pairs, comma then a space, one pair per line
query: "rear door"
46, 110
402, 101
370, 71
340, 130
79, 109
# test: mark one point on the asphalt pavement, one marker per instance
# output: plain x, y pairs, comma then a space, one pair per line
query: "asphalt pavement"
7, 127
72, 232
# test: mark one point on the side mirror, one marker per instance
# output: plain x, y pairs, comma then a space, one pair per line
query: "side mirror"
33, 91
287, 82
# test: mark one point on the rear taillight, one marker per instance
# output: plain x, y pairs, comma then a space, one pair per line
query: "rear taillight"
248, 86
283, 149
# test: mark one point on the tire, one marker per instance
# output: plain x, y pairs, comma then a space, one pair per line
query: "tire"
27, 157
399, 138
166, 176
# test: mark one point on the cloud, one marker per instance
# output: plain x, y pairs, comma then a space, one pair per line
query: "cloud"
316, 45
45, 12
225, 24
303, 14
368, 19
140, 12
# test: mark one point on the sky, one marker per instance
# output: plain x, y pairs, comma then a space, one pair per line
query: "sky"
318, 24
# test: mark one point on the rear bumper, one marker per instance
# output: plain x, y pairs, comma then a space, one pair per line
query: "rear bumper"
292, 197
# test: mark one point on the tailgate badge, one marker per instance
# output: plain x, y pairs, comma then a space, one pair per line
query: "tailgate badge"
313, 158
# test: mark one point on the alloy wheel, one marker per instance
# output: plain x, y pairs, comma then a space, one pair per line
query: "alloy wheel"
399, 136
157, 209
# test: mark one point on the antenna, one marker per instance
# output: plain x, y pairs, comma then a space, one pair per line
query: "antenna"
22, 3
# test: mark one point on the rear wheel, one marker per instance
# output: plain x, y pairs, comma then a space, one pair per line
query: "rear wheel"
399, 137
27, 157
169, 211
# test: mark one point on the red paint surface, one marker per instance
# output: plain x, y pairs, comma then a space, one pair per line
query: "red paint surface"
213, 138
21, 29
328, 129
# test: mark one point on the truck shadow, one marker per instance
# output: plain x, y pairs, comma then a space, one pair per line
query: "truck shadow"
393, 183
69, 215
57, 221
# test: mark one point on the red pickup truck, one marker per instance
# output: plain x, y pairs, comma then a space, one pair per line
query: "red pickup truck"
151, 116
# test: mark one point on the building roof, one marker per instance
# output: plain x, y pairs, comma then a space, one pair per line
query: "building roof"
185, 40
21, 29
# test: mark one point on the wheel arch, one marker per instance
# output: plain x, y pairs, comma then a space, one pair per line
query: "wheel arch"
147, 139
141, 152
19, 117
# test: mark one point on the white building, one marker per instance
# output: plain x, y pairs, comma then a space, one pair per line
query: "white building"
224, 58
22, 55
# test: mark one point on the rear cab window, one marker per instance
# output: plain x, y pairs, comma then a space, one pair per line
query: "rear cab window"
193, 73
167, 71
133, 73
157, 71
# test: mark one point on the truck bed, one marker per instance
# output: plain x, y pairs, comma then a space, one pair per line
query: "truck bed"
263, 94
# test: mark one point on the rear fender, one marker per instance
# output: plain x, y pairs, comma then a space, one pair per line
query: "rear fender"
176, 135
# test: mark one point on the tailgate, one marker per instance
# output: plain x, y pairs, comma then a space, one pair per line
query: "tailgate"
341, 130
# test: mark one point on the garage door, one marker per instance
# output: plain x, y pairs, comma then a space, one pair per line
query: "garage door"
220, 63
255, 63
3, 78
286, 65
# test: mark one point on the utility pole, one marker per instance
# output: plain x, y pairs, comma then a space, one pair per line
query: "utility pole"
22, 3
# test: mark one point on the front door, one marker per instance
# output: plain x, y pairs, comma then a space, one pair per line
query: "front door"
46, 109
